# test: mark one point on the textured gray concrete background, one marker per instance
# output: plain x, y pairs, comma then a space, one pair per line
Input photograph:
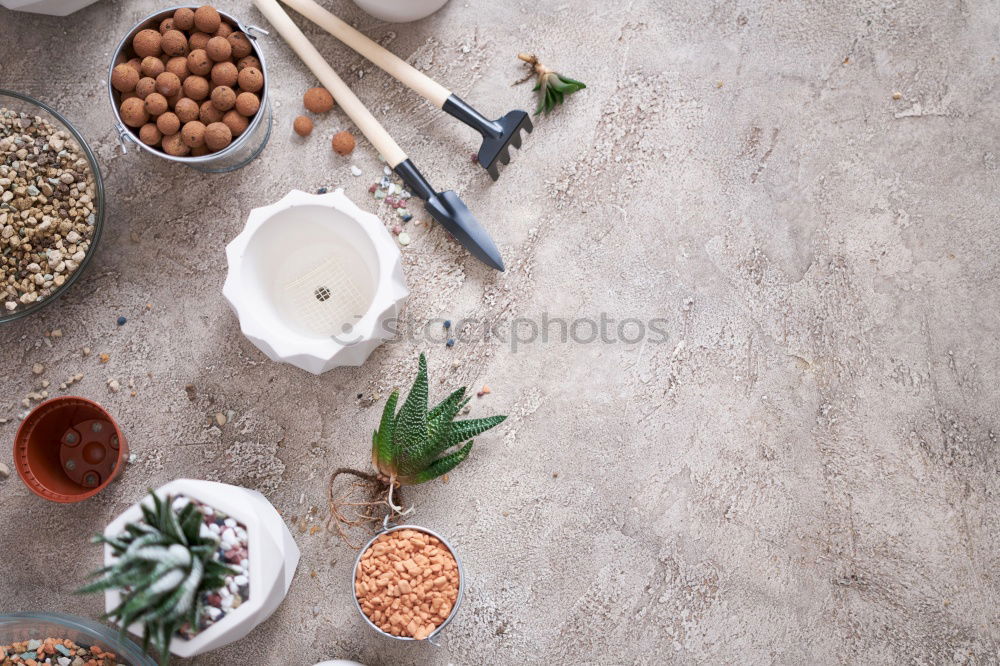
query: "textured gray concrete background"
806, 471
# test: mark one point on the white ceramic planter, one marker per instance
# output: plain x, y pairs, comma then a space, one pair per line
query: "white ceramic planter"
400, 11
315, 281
50, 7
271, 551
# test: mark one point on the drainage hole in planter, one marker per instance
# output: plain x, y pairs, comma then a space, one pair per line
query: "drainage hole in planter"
322, 294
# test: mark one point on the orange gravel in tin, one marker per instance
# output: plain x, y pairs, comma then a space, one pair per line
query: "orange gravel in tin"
407, 583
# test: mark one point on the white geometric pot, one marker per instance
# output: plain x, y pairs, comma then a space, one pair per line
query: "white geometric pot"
271, 551
51, 7
315, 281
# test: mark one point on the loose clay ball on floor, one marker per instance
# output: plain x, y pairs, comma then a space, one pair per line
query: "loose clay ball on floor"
343, 143
303, 126
317, 100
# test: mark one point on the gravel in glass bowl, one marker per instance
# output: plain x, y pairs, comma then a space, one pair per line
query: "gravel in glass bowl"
51, 205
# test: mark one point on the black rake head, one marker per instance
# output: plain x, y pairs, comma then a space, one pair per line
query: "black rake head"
496, 148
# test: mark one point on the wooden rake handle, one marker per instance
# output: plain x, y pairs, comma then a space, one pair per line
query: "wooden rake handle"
396, 67
347, 100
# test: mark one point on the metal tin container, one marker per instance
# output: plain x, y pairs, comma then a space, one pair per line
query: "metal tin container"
386, 529
234, 156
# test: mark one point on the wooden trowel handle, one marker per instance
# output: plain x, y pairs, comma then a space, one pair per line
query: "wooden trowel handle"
347, 100
396, 67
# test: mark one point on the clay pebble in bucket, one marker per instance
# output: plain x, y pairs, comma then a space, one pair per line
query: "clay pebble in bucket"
69, 449
184, 69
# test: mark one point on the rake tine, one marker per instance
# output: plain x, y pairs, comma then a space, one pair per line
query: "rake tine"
504, 156
494, 171
515, 140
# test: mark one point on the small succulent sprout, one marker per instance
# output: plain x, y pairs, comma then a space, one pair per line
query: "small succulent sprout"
416, 444
163, 565
552, 87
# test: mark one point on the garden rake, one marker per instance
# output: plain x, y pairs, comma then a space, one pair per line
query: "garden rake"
498, 135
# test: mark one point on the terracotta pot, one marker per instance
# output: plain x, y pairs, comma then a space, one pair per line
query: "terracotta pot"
69, 449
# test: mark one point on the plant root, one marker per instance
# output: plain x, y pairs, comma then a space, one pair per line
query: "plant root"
366, 500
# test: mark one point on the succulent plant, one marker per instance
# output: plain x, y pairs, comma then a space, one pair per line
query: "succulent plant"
163, 565
552, 87
416, 444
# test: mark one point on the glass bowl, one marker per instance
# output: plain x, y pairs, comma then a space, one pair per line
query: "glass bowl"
18, 627
24, 104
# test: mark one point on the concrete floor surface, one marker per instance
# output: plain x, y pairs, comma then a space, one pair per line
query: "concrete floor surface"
794, 461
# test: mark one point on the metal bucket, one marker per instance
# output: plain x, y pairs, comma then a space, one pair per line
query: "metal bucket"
234, 156
386, 529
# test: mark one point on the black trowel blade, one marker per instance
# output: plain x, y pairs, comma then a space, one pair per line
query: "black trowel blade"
458, 220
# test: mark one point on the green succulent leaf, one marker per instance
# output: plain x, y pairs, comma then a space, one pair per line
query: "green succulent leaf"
416, 447
443, 465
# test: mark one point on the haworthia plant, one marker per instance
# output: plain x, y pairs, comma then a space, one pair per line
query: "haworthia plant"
163, 566
416, 444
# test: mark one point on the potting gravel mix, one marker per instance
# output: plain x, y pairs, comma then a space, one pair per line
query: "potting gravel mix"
57, 652
47, 208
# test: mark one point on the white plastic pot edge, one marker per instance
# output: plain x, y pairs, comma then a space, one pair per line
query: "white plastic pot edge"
271, 550
395, 11
317, 355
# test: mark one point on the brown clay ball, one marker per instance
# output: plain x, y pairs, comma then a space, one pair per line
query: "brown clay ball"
173, 145
249, 61
317, 100
174, 43
193, 134
219, 49
303, 126
223, 98
149, 135
343, 143
199, 151
167, 24
124, 78
196, 87
247, 103
168, 84
198, 40
240, 45
224, 30
133, 112
152, 66
208, 114
136, 64
236, 123
217, 136
186, 109
179, 67
251, 79
145, 86
168, 123
156, 104
225, 74
147, 43
184, 18
207, 19
199, 63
